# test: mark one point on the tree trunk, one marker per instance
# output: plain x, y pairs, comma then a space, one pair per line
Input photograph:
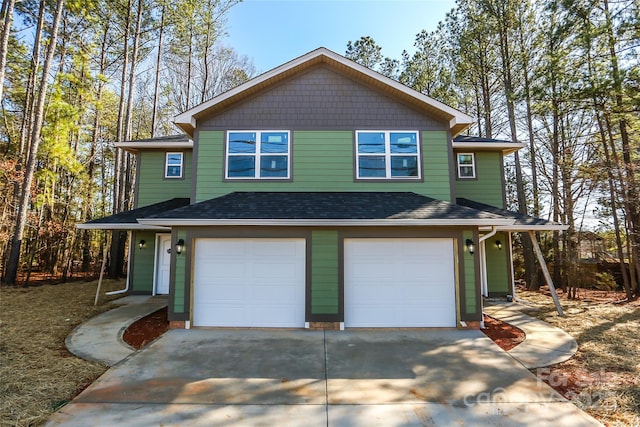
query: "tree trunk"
115, 266
154, 114
25, 193
632, 195
7, 19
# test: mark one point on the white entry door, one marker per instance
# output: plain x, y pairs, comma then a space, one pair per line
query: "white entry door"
163, 264
249, 282
399, 283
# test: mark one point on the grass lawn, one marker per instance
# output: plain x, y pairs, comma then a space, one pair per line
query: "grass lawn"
603, 378
37, 373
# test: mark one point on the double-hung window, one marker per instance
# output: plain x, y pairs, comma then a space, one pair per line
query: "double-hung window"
387, 155
466, 165
173, 165
258, 155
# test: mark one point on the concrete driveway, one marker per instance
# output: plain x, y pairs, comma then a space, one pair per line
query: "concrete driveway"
317, 378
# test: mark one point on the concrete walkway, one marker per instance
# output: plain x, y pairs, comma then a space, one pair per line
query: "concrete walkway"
544, 344
100, 338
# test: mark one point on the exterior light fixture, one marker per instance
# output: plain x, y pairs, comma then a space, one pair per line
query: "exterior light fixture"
499, 244
179, 246
142, 244
471, 247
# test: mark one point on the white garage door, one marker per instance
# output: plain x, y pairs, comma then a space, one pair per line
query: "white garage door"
249, 282
399, 283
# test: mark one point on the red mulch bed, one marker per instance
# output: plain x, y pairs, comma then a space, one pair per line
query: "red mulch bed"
147, 329
505, 335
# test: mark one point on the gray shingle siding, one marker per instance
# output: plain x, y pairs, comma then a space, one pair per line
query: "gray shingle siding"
321, 99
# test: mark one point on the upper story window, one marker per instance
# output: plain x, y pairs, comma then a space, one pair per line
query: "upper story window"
258, 154
466, 165
387, 154
173, 165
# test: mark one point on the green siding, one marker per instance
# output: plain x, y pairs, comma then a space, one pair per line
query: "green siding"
487, 187
209, 164
141, 280
321, 161
324, 272
469, 275
497, 266
152, 186
437, 174
179, 296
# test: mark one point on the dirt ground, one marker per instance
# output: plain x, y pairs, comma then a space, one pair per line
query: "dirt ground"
37, 373
603, 378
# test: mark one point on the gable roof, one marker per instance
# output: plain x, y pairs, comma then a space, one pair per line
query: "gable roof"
127, 220
521, 223
457, 120
324, 208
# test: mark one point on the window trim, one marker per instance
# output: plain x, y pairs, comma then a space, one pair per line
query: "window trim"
472, 165
166, 165
257, 155
388, 155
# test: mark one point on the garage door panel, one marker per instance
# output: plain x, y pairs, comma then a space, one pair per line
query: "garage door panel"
210, 248
399, 283
221, 294
286, 295
257, 282
276, 249
285, 270
226, 269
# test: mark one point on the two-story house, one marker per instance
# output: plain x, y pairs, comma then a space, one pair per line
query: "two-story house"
321, 192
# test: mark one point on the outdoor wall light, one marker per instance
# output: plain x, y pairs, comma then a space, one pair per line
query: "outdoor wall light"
142, 244
499, 244
471, 247
179, 246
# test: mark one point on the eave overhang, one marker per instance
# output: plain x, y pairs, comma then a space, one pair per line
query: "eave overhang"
505, 147
525, 228
169, 222
121, 226
135, 146
456, 120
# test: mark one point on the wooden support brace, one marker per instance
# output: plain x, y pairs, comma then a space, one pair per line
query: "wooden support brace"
104, 263
545, 271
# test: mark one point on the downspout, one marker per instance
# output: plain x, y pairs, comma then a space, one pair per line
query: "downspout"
483, 267
483, 256
126, 288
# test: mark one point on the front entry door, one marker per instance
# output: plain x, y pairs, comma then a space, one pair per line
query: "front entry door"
163, 264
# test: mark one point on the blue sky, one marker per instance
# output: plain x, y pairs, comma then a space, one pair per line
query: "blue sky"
272, 32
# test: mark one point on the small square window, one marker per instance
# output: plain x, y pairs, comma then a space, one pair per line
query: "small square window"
258, 155
173, 165
466, 165
387, 155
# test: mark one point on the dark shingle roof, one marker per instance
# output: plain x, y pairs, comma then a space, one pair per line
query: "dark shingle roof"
131, 216
324, 205
520, 218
